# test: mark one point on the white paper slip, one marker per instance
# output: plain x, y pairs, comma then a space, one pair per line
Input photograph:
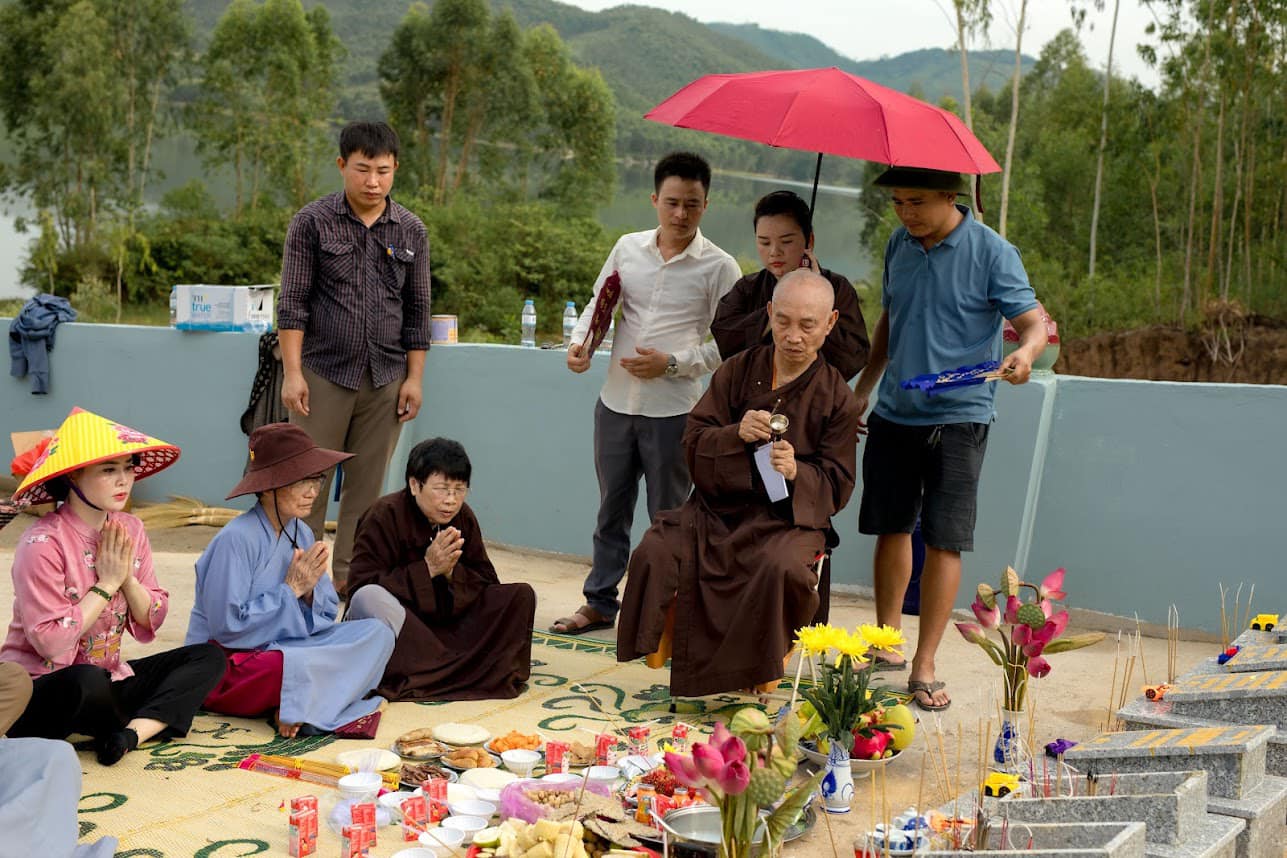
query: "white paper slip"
774, 483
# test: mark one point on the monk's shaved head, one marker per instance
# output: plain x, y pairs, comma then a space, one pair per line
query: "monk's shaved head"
801, 314
806, 287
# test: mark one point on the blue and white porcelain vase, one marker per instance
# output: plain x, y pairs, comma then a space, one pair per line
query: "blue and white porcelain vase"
1010, 754
838, 782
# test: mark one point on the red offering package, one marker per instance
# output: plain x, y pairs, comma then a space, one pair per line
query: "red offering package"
435, 790
415, 817
605, 747
303, 802
302, 836
639, 739
556, 756
364, 814
679, 736
604, 306
351, 839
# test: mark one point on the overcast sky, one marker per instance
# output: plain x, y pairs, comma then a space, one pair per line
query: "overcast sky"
869, 29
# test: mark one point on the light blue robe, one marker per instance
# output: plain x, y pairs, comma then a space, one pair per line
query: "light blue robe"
242, 602
38, 797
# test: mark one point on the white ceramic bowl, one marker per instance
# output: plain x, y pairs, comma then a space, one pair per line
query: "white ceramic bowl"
472, 807
606, 775
415, 852
393, 800
471, 825
491, 796
560, 778
520, 762
442, 841
360, 785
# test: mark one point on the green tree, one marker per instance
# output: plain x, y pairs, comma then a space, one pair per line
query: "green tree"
266, 95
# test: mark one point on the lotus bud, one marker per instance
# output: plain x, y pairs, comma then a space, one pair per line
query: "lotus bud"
684, 770
1038, 666
988, 615
734, 778
709, 761
1012, 605
972, 632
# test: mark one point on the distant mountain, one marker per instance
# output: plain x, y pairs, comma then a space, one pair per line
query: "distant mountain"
930, 73
644, 55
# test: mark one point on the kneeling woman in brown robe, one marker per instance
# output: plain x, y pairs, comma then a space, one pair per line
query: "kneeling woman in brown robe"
420, 565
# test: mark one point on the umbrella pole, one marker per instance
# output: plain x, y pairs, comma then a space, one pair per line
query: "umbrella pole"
817, 171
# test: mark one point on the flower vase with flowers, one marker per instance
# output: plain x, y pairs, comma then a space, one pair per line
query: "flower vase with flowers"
848, 713
1028, 632
745, 767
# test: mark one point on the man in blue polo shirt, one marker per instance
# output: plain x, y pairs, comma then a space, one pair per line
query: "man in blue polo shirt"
948, 283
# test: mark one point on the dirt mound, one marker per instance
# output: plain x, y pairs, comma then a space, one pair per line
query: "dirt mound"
1255, 354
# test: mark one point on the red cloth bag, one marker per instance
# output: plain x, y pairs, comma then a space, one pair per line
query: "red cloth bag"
252, 684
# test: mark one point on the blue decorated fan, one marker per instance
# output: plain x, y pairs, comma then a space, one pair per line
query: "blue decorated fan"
934, 383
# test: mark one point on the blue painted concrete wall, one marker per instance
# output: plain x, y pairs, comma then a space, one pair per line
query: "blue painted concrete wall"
1148, 492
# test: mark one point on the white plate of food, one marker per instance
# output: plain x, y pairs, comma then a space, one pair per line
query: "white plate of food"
459, 735
419, 745
369, 760
485, 779
464, 759
516, 740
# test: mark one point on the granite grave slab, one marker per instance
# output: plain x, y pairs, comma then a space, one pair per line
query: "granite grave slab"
1233, 757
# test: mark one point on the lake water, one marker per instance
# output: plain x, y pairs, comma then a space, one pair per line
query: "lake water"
727, 222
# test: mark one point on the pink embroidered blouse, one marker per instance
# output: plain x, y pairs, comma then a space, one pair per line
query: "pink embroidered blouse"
53, 569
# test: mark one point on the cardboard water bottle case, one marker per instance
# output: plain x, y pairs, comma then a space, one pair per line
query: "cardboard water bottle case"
223, 308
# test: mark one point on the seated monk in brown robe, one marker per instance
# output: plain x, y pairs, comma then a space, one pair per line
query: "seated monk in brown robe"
739, 569
420, 565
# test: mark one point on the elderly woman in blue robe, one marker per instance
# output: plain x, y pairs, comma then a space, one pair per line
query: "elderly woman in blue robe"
264, 595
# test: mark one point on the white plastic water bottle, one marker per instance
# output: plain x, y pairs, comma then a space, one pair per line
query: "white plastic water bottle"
569, 323
529, 324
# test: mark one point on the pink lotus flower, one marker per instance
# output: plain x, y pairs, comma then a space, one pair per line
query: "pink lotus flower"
735, 777
989, 618
682, 767
709, 761
1038, 666
972, 632
1060, 622
1052, 586
1012, 605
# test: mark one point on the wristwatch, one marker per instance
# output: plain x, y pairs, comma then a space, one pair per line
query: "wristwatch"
672, 366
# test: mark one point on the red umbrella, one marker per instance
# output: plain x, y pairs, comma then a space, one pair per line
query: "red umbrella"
827, 111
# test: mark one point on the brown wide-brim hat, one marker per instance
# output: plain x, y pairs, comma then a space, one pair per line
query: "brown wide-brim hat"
921, 179
281, 454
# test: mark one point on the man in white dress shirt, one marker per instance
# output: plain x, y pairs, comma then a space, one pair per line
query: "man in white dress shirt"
672, 280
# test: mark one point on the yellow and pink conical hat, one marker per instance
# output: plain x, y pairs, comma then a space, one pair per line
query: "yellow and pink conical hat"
85, 439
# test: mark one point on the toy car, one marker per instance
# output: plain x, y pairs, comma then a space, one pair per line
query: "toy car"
1156, 692
1227, 654
1058, 747
1000, 785
1264, 622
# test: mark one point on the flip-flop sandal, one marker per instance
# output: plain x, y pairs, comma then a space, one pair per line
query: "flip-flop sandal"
572, 627
887, 665
916, 686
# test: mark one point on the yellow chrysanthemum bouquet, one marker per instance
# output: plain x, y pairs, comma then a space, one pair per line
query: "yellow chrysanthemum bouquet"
841, 704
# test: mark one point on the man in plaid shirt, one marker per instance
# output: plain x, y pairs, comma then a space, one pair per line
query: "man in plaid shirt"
353, 322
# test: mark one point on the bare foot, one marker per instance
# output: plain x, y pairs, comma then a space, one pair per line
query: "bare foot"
286, 731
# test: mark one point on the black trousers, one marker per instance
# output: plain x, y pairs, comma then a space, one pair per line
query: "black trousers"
82, 698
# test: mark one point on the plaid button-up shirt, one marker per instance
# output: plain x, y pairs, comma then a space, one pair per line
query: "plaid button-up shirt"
360, 294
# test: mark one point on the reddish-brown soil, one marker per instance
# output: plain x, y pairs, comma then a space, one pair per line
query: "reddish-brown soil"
1259, 354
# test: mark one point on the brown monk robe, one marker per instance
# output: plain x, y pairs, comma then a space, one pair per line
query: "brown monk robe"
739, 570
742, 321
466, 636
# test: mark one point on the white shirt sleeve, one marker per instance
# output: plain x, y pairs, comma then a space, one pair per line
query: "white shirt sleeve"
704, 358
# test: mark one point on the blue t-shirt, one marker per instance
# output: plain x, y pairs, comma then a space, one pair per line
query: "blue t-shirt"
946, 307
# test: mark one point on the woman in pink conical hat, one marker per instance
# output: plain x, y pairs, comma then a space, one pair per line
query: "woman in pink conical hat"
83, 579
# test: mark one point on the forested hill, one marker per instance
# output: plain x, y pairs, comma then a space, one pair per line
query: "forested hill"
930, 73
644, 55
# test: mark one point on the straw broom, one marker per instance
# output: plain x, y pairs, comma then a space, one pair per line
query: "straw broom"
182, 512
